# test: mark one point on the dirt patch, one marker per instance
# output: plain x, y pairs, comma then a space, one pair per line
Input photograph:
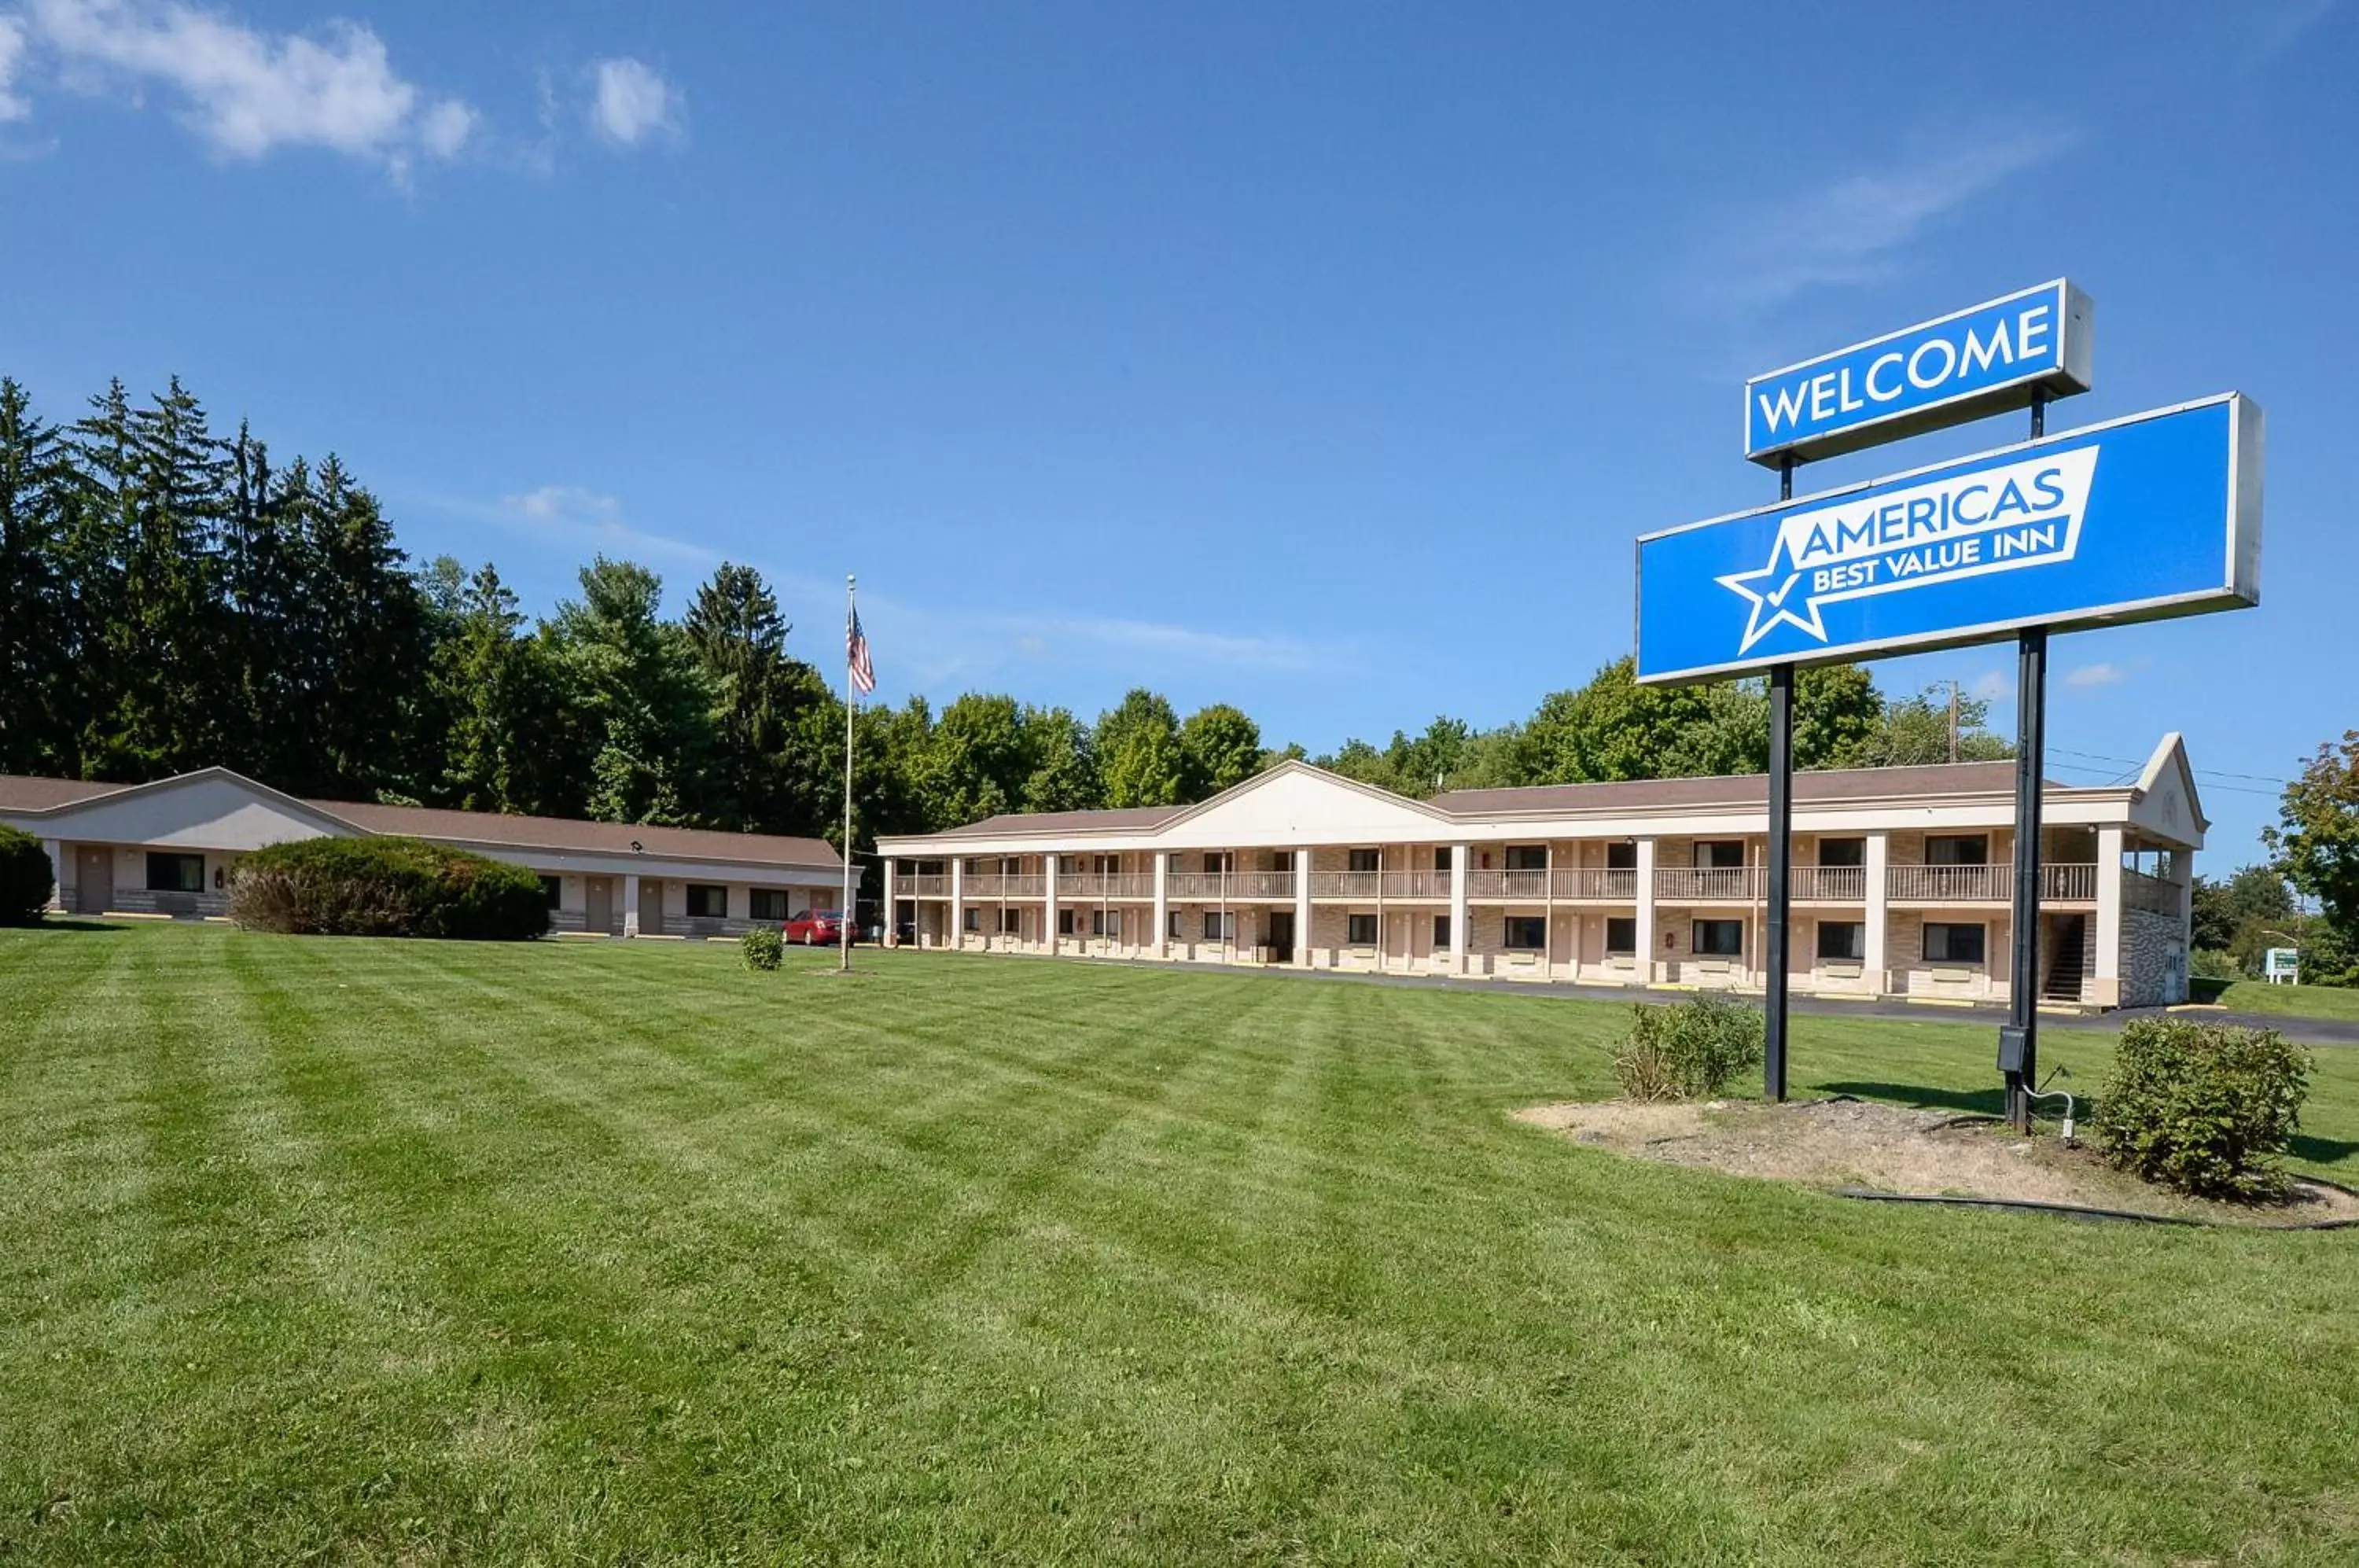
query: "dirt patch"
1891, 1149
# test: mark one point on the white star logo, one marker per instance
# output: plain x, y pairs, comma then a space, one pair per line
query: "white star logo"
1769, 605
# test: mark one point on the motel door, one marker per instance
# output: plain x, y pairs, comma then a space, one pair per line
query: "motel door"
598, 905
1281, 936
93, 880
650, 906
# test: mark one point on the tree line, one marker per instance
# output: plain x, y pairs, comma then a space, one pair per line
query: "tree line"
173, 597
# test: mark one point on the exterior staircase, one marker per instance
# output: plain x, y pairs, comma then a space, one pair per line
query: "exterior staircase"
2066, 970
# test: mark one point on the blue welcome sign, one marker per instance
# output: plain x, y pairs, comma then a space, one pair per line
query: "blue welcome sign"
2156, 515
1980, 361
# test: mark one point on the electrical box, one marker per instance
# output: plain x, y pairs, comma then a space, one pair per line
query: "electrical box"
2012, 1039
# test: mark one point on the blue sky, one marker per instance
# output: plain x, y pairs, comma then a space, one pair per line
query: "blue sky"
1321, 359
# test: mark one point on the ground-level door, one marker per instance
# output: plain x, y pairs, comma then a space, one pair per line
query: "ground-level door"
1281, 936
93, 880
598, 905
650, 906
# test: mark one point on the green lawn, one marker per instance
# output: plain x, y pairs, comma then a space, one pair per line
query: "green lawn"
382, 1252
2293, 1001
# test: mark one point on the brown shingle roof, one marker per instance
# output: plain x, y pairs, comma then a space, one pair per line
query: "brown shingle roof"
23, 792
1741, 790
1121, 819
565, 832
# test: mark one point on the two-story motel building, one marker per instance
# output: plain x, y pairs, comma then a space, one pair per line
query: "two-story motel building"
1901, 886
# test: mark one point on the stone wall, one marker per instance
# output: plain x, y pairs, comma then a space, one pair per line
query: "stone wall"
2154, 959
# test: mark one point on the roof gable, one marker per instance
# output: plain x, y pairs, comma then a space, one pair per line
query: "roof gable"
1296, 803
2166, 803
212, 808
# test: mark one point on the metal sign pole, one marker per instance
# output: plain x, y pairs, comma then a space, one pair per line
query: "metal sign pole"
1781, 851
2019, 1046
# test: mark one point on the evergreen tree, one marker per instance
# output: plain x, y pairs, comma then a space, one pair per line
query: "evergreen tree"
641, 705
373, 647
740, 642
37, 681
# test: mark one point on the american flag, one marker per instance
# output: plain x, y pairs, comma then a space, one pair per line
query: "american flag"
855, 653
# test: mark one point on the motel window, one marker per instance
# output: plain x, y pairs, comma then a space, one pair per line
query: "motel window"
1720, 853
1171, 925
1842, 852
1958, 850
1622, 856
770, 904
1442, 857
1527, 857
1105, 922
972, 920
708, 901
1011, 922
1845, 942
1621, 935
1279, 860
1361, 931
1219, 927
176, 873
1106, 865
552, 890
1441, 932
1719, 939
1367, 860
1219, 863
1064, 922
1526, 934
1953, 944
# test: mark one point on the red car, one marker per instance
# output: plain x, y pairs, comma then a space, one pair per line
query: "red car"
817, 928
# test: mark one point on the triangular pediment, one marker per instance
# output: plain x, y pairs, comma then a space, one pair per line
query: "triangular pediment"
215, 809
1296, 803
2167, 804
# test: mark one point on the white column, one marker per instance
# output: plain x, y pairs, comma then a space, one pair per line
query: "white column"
1302, 909
1162, 903
1048, 881
56, 852
892, 923
631, 904
2105, 985
958, 903
1461, 938
1645, 881
1878, 859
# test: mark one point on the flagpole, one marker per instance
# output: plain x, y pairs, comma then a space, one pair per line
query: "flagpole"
851, 699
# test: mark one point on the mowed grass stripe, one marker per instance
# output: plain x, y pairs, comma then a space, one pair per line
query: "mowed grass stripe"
626, 1253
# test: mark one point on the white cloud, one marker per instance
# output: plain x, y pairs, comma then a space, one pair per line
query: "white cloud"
1857, 228
580, 516
249, 92
633, 102
1991, 686
13, 105
2096, 675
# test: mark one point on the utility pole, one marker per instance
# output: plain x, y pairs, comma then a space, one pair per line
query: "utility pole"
1954, 721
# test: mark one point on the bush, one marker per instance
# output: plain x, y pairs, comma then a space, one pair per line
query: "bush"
764, 946
2205, 1108
25, 877
1691, 1050
2212, 963
385, 887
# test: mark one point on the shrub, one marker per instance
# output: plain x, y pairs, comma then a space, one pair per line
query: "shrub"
385, 887
2205, 1108
25, 877
1691, 1051
2212, 963
764, 946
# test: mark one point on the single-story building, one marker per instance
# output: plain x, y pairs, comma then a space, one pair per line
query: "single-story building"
1902, 881
165, 848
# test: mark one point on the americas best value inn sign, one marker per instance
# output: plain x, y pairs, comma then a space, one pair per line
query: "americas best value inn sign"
2155, 515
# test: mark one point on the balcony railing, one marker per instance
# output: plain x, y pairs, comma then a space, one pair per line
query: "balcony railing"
2140, 891
1829, 884
1523, 886
1215, 888
1708, 884
1617, 885
926, 887
995, 884
1091, 885
1371, 885
2065, 884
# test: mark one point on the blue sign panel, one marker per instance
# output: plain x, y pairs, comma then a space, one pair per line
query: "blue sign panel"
1980, 361
2156, 515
